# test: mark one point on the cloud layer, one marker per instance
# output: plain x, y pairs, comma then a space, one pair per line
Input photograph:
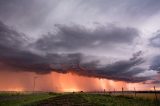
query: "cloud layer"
78, 37
96, 38
14, 55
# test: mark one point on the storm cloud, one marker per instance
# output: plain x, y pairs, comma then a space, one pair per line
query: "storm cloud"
95, 38
155, 41
14, 55
78, 37
125, 70
155, 64
37, 16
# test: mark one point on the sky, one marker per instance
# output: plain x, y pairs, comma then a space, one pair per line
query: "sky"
93, 42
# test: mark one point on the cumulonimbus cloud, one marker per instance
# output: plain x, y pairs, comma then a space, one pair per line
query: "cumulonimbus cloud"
155, 41
155, 64
14, 54
78, 37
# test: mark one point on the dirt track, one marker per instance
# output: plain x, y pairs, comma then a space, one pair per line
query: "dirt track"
66, 100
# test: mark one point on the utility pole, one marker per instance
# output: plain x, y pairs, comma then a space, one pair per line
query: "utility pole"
34, 83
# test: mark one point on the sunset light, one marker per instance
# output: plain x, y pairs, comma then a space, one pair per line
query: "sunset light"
80, 52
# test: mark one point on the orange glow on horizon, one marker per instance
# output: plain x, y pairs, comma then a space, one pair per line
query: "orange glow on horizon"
72, 82
14, 89
58, 82
157, 88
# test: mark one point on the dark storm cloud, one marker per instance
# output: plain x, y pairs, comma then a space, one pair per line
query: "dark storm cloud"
155, 41
12, 50
77, 37
29, 14
9, 37
14, 55
155, 65
125, 70
10, 40
32, 15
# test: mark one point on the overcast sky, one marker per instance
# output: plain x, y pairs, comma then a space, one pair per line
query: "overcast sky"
113, 39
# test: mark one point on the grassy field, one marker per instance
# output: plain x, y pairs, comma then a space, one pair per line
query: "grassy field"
21, 99
84, 99
74, 99
147, 96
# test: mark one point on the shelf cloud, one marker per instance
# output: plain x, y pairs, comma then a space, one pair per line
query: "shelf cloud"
117, 40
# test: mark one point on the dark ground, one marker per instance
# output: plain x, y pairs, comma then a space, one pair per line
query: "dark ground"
76, 99
95, 100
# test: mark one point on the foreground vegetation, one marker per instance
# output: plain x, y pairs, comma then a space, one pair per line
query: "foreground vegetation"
70, 99
83, 99
20, 99
146, 96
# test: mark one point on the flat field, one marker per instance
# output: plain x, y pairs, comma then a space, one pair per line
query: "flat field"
76, 99
22, 98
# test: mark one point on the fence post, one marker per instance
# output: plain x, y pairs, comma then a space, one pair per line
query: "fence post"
109, 92
155, 93
122, 91
134, 91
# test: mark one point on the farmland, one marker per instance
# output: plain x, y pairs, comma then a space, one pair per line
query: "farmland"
79, 99
22, 98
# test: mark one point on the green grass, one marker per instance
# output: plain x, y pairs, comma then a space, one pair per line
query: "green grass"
20, 99
70, 99
148, 96
107, 100
96, 100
